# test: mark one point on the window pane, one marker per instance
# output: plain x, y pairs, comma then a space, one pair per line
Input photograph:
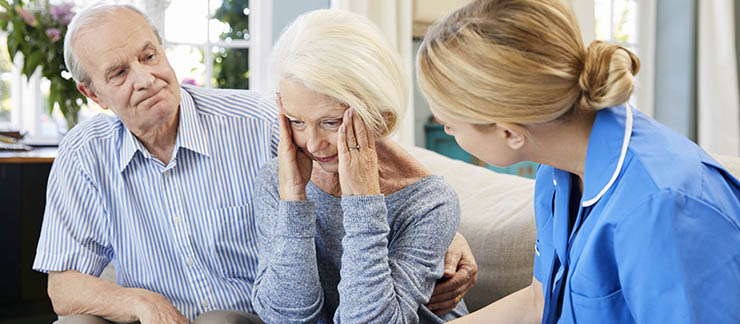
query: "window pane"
48, 125
229, 20
5, 77
603, 19
625, 21
187, 61
186, 22
231, 68
231, 65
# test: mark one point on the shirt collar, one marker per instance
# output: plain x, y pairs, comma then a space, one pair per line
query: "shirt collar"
607, 148
190, 134
129, 146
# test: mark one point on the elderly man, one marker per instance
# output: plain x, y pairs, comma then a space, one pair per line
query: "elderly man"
163, 189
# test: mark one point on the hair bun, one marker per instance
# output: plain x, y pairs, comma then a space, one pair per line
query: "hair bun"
607, 78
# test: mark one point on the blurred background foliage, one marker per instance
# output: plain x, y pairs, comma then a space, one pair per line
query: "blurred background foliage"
231, 65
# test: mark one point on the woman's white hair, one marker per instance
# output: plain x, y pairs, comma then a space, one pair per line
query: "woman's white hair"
90, 17
344, 56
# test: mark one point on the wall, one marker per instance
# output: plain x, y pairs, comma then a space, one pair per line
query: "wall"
285, 11
675, 66
421, 106
737, 39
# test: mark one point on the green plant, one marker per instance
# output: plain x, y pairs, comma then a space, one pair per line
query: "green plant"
231, 65
37, 30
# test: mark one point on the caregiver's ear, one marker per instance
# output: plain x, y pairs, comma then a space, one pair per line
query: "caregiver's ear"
514, 135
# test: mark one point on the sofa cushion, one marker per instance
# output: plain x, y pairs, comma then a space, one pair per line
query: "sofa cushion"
497, 221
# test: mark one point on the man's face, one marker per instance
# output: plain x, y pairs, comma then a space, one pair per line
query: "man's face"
129, 71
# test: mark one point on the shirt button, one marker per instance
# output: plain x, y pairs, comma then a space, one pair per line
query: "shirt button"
206, 304
176, 220
189, 261
554, 182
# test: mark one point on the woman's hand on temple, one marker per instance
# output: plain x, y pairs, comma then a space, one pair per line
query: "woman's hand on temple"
358, 160
294, 166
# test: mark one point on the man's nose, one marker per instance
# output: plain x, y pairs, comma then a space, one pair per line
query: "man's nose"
143, 78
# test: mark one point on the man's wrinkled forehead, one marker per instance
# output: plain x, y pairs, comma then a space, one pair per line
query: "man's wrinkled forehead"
111, 38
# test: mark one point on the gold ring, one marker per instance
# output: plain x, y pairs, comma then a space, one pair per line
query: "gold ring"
458, 298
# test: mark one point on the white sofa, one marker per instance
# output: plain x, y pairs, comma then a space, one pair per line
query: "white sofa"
497, 221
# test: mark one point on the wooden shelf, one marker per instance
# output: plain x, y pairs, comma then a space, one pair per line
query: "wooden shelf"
37, 155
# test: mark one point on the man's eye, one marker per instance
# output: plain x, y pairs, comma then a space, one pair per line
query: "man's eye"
149, 57
119, 73
296, 123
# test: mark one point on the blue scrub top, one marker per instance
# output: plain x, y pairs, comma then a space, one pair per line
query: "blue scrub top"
655, 237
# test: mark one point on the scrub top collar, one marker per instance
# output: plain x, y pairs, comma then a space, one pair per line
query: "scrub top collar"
607, 148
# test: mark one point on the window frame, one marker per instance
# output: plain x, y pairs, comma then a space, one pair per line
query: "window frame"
259, 43
28, 94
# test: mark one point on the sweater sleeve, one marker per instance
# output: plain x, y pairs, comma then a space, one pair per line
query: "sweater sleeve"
387, 283
287, 287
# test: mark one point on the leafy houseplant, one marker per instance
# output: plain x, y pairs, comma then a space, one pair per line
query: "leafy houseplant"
37, 31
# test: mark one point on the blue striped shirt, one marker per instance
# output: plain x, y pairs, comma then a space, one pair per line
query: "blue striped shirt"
184, 229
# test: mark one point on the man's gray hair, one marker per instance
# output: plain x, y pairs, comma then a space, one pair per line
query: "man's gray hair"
89, 17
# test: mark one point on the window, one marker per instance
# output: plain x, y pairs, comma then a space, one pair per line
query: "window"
207, 43
6, 69
616, 21
631, 23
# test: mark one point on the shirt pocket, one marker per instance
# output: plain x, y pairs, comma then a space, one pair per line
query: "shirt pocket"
234, 247
612, 308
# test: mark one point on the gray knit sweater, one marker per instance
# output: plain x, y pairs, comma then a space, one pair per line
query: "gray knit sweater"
354, 259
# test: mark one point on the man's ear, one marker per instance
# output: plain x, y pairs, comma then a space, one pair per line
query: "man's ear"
90, 93
514, 135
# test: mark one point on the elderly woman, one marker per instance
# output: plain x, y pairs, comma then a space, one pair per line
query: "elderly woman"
351, 228
635, 223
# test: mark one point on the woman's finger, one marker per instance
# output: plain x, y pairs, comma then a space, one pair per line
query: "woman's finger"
360, 131
370, 137
342, 138
286, 136
350, 133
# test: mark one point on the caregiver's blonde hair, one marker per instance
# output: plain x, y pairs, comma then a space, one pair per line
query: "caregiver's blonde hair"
519, 61
344, 56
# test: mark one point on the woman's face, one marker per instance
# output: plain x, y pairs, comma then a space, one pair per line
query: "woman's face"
314, 120
486, 142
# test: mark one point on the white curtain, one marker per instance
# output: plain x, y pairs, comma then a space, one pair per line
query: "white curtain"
718, 124
394, 18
